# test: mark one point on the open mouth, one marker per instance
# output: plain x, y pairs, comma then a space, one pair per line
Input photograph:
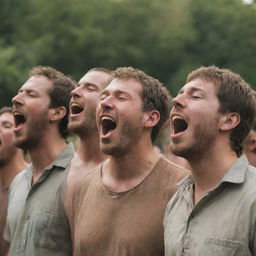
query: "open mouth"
254, 151
108, 125
19, 119
179, 125
76, 108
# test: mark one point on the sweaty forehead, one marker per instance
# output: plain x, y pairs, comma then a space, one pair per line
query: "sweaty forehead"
199, 85
125, 85
97, 78
37, 83
6, 117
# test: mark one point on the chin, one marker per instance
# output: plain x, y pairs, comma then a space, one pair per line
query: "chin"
178, 151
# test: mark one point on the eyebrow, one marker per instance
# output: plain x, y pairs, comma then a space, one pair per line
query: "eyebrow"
6, 122
192, 89
117, 92
27, 90
86, 84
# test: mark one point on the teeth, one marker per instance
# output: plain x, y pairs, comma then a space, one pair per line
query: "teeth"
107, 118
75, 105
177, 117
17, 113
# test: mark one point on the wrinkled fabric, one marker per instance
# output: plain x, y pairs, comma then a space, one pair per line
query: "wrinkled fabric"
222, 223
127, 223
36, 223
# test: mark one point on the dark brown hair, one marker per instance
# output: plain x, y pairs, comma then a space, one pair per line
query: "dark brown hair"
154, 95
234, 95
60, 94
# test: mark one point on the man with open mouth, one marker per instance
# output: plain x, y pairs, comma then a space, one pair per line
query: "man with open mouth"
11, 163
119, 207
214, 210
36, 220
82, 122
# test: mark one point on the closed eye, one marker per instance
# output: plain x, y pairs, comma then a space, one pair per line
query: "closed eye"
196, 97
122, 98
103, 96
91, 88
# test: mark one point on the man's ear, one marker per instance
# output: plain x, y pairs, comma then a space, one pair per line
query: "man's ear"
229, 121
151, 118
57, 113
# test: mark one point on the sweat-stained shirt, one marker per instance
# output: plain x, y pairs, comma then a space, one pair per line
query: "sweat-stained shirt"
127, 223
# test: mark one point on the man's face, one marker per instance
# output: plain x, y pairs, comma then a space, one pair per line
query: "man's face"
85, 98
31, 108
7, 147
194, 119
250, 147
120, 117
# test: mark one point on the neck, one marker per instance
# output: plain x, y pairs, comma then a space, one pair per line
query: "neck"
89, 151
11, 169
125, 172
45, 153
209, 169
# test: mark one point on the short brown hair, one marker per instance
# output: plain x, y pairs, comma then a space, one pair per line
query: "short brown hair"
234, 95
5, 110
60, 94
154, 95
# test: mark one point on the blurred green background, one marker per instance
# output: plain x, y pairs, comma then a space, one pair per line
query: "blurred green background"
165, 38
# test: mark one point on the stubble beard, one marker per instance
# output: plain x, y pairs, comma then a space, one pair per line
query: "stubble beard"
130, 134
7, 156
203, 140
85, 127
34, 133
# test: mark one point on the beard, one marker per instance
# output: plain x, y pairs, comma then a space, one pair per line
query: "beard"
6, 155
36, 127
203, 140
85, 127
130, 134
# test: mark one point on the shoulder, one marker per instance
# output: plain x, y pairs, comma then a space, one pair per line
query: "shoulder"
171, 170
20, 178
78, 186
250, 181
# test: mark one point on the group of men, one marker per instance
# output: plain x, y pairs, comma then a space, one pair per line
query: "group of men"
115, 194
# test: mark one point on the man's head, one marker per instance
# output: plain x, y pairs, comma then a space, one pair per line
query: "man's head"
42, 100
85, 98
234, 95
132, 103
249, 146
7, 147
231, 101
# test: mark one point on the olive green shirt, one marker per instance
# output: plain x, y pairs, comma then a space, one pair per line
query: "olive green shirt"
222, 223
36, 220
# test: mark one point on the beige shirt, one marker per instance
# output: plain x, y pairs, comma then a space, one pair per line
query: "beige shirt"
36, 222
221, 224
127, 223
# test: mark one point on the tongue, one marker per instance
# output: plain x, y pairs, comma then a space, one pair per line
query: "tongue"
107, 126
19, 120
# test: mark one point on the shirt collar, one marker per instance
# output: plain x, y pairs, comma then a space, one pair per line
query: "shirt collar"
63, 159
235, 174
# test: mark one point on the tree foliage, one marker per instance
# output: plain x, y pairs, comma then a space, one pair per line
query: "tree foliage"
166, 38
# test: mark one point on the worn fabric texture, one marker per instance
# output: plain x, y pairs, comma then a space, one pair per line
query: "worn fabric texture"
222, 223
36, 223
127, 223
